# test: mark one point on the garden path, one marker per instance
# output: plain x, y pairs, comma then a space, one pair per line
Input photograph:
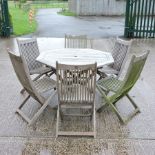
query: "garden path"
51, 24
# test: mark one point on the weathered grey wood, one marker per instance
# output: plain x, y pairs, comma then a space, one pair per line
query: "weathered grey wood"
84, 115
97, 7
94, 121
76, 87
33, 88
39, 112
75, 57
73, 106
120, 53
21, 113
57, 123
24, 101
63, 133
28, 48
80, 41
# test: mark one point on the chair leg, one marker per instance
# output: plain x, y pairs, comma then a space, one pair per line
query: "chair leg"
39, 112
102, 107
61, 114
113, 106
132, 101
76, 133
94, 122
117, 112
57, 123
136, 110
22, 91
130, 116
24, 101
36, 115
19, 111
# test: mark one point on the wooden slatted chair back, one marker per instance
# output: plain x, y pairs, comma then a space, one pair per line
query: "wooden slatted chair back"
80, 41
133, 73
29, 50
22, 73
119, 53
76, 84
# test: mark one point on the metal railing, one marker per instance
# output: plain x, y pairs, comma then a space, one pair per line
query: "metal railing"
140, 19
5, 25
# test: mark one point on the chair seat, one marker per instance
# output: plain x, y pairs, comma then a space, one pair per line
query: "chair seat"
110, 84
40, 70
44, 84
107, 70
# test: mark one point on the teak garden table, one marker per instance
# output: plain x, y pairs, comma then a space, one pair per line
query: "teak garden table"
75, 57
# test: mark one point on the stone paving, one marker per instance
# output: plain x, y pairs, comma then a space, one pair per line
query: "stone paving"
113, 138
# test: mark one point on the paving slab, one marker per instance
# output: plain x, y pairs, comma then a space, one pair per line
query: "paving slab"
113, 138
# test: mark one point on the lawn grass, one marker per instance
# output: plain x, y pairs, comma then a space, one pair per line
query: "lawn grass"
20, 21
20, 17
66, 13
49, 5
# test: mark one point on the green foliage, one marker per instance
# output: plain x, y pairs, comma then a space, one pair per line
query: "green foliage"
49, 4
20, 17
66, 12
23, 1
20, 21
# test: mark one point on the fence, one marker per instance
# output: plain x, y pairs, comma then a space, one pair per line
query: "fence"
140, 19
5, 25
97, 7
45, 4
0, 19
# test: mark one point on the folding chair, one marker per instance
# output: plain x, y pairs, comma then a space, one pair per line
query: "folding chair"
76, 91
35, 89
80, 41
29, 50
119, 52
120, 88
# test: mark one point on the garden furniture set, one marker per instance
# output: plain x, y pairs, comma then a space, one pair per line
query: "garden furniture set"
80, 71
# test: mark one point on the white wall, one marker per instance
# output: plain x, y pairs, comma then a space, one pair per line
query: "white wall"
97, 7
